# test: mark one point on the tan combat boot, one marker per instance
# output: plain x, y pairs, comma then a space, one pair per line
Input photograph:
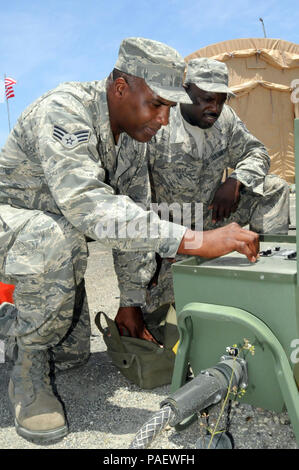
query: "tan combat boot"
39, 415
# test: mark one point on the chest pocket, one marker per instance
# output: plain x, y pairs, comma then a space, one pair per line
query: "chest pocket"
215, 160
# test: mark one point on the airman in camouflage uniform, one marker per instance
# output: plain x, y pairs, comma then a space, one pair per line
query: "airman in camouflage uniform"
73, 167
187, 164
61, 176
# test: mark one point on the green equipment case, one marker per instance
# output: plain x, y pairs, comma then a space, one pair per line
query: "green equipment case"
223, 301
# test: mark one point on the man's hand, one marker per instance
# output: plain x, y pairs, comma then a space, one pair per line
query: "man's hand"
221, 241
130, 319
226, 199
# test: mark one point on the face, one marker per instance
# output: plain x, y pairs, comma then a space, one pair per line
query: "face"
206, 107
142, 112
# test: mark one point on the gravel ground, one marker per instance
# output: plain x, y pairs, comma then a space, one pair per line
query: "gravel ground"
105, 411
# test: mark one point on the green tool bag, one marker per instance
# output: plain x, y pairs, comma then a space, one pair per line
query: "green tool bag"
142, 362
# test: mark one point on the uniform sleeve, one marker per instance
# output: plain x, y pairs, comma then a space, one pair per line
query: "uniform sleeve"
248, 156
75, 176
134, 272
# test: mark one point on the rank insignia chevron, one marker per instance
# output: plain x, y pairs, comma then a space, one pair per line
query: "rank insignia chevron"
70, 140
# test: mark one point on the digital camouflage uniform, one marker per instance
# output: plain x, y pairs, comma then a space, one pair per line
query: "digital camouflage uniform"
62, 180
53, 193
180, 175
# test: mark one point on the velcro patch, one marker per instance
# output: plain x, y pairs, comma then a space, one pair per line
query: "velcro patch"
70, 141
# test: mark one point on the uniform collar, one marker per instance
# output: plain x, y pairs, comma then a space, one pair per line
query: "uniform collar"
106, 139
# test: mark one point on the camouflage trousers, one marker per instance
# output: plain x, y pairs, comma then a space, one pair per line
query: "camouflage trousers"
45, 257
264, 214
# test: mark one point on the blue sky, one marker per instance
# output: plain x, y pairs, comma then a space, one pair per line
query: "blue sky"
45, 43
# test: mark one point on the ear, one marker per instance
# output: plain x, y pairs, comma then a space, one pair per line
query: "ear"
120, 87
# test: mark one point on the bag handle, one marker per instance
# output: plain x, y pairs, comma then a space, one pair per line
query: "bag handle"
111, 326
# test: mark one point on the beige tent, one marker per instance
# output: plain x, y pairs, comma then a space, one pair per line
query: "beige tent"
264, 74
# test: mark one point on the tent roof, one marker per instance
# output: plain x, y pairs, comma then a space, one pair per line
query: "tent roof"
284, 53
263, 73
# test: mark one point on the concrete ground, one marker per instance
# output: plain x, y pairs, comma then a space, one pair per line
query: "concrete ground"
105, 410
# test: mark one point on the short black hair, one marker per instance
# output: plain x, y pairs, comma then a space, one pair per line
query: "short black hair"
130, 79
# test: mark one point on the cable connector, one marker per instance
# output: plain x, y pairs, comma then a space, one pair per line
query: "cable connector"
208, 388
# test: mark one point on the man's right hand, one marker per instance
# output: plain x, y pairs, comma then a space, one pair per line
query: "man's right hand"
221, 241
226, 199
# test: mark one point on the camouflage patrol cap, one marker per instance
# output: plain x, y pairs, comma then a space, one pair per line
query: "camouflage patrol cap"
208, 75
159, 65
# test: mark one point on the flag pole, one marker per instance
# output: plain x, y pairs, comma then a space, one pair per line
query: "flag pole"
262, 21
7, 106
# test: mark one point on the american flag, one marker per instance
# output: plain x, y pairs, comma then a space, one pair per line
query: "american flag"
9, 91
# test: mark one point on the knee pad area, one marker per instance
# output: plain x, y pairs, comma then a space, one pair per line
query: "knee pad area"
44, 245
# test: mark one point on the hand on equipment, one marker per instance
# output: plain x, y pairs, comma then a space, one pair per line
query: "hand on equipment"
221, 241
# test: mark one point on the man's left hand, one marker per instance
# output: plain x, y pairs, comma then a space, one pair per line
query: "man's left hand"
226, 200
130, 319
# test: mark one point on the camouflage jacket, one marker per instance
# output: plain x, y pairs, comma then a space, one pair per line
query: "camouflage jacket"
179, 174
61, 158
